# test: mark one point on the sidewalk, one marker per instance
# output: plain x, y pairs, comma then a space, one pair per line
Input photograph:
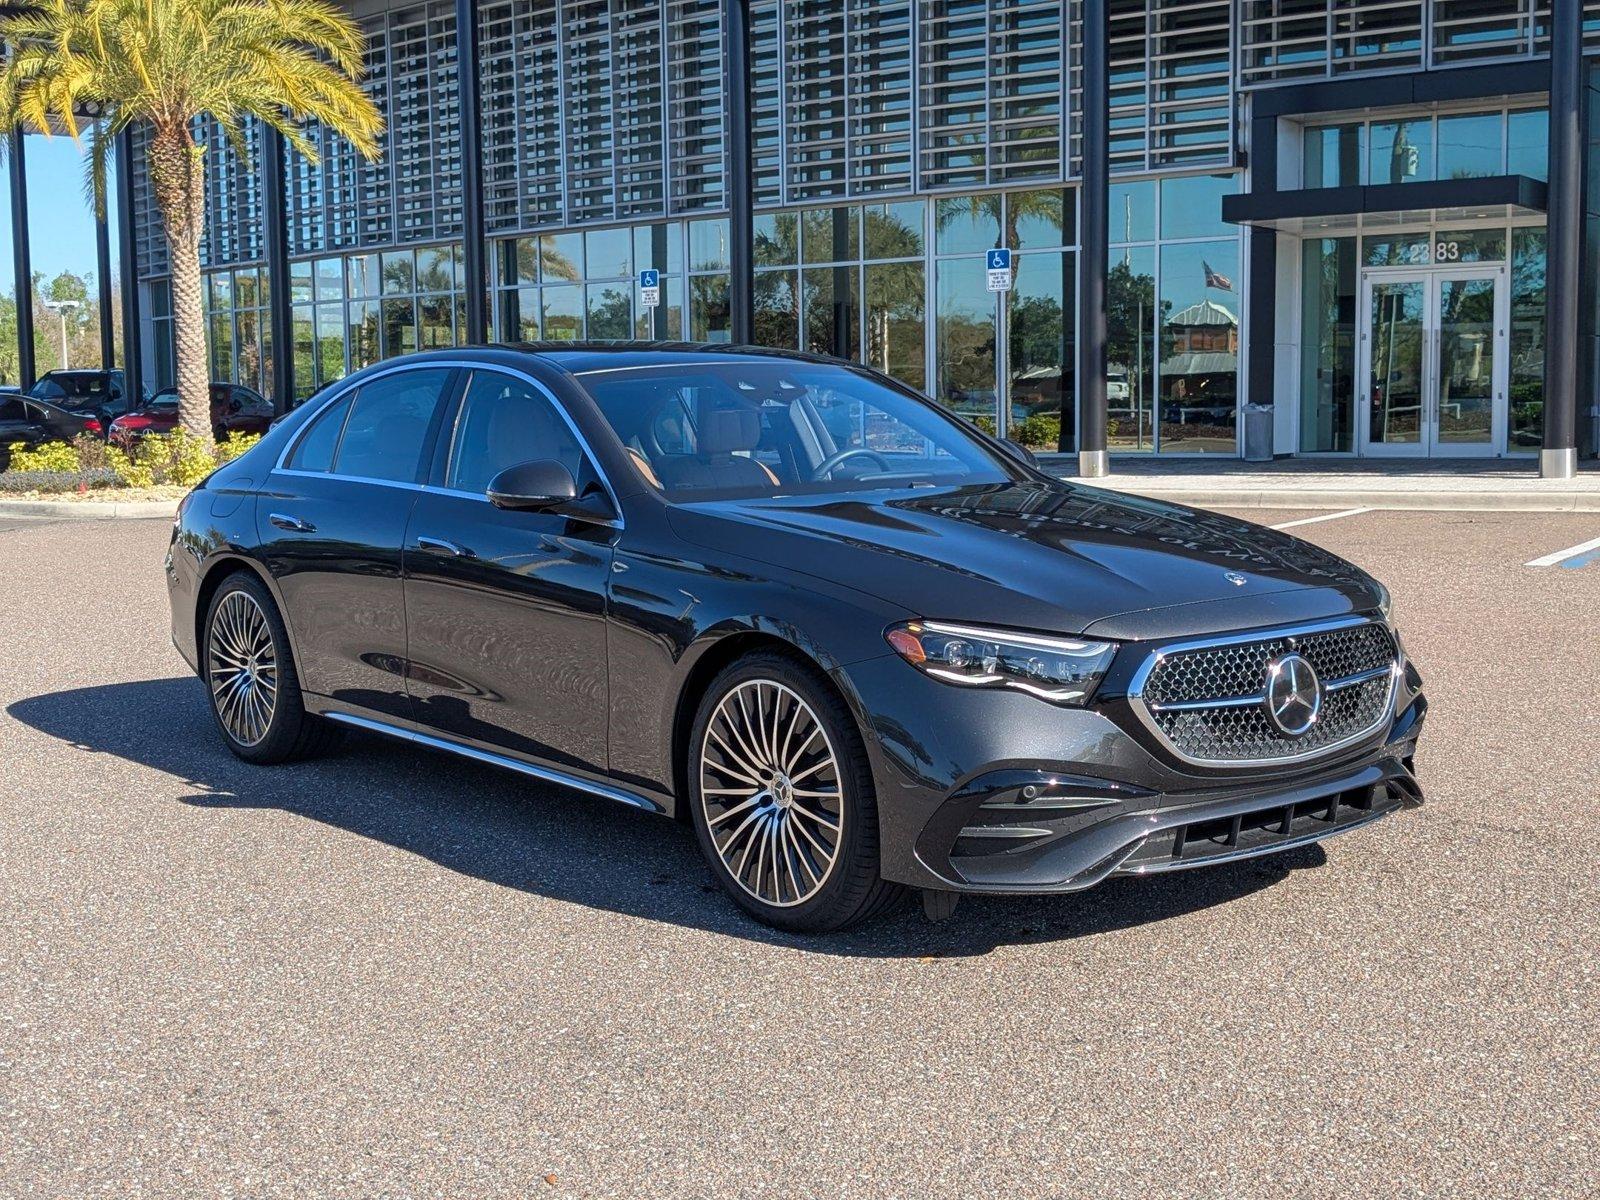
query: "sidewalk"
1482, 485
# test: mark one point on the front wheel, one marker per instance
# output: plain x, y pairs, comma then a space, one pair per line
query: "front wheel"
250, 677
782, 798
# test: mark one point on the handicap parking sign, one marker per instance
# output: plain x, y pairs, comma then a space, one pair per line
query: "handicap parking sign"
649, 288
998, 265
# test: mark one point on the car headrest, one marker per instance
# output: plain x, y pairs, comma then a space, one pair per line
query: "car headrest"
727, 428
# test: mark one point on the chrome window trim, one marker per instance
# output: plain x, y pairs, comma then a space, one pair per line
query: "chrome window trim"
1142, 709
731, 361
469, 365
403, 484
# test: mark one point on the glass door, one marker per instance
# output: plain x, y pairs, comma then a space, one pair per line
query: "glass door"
1434, 362
1395, 336
1469, 363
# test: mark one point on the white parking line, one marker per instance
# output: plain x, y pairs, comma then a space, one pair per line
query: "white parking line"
1550, 560
1349, 512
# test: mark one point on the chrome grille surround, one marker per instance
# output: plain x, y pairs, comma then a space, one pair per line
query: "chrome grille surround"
1205, 700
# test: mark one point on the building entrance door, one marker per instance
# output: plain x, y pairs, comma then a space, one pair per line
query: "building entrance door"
1434, 361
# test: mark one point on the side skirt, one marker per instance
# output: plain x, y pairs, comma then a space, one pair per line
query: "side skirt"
543, 774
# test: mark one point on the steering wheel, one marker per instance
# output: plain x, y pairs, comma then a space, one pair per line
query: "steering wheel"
830, 464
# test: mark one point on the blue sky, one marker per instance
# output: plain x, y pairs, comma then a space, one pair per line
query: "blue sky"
61, 219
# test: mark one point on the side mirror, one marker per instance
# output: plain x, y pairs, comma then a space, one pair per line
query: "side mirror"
1020, 452
533, 486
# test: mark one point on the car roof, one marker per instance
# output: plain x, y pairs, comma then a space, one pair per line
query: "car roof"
577, 358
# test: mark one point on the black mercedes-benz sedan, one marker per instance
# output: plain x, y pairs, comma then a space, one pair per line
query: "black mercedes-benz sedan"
859, 645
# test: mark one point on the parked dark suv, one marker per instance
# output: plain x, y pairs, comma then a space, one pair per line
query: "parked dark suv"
858, 644
102, 395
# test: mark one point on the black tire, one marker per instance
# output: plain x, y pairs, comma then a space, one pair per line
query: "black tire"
774, 816
288, 732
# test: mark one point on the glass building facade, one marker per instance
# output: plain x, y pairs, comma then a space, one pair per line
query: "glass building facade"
894, 143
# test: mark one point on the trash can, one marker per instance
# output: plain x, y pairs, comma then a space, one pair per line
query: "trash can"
1258, 433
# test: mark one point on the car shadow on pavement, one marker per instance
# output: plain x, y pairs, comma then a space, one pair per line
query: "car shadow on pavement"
548, 841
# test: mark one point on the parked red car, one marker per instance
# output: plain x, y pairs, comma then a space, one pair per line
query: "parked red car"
234, 409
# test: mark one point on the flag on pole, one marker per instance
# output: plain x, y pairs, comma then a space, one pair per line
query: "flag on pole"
1215, 279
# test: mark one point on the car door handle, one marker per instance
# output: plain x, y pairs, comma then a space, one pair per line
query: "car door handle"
292, 524
440, 546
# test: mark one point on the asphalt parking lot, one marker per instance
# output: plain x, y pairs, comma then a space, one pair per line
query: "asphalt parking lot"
391, 973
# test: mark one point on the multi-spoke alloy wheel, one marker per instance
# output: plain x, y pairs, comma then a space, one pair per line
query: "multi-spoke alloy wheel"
771, 793
242, 668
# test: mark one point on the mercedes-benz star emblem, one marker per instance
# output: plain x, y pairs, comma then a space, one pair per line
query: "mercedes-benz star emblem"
1294, 694
1236, 579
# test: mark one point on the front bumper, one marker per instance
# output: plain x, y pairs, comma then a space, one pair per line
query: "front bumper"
1031, 847
1041, 799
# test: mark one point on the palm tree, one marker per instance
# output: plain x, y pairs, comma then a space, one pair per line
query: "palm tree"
167, 66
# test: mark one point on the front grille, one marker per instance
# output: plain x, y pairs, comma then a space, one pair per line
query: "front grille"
1208, 702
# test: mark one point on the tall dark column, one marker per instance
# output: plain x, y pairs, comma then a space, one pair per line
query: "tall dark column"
740, 183
474, 268
1094, 241
1261, 332
275, 233
102, 270
22, 264
1563, 273
658, 259
128, 265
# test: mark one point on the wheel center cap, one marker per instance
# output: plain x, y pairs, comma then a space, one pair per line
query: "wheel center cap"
781, 789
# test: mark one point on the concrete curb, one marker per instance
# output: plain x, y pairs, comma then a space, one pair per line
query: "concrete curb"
1320, 498
90, 510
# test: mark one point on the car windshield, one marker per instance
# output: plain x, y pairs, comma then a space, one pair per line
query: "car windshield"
771, 427
165, 400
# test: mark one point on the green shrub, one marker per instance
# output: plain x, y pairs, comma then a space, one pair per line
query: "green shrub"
235, 444
179, 459
129, 466
1041, 431
52, 456
91, 453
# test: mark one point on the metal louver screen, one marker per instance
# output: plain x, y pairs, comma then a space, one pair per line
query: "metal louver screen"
233, 195
150, 242
1172, 96
615, 110
833, 100
1287, 40
695, 99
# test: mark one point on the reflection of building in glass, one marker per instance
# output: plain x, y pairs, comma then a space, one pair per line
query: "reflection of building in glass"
895, 144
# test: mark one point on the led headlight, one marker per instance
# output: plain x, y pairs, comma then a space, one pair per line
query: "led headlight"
1063, 670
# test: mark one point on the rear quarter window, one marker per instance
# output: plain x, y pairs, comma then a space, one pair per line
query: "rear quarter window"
315, 449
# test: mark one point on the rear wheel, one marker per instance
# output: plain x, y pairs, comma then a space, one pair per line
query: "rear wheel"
782, 799
250, 677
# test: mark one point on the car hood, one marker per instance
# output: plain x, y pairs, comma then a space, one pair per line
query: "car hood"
1041, 555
